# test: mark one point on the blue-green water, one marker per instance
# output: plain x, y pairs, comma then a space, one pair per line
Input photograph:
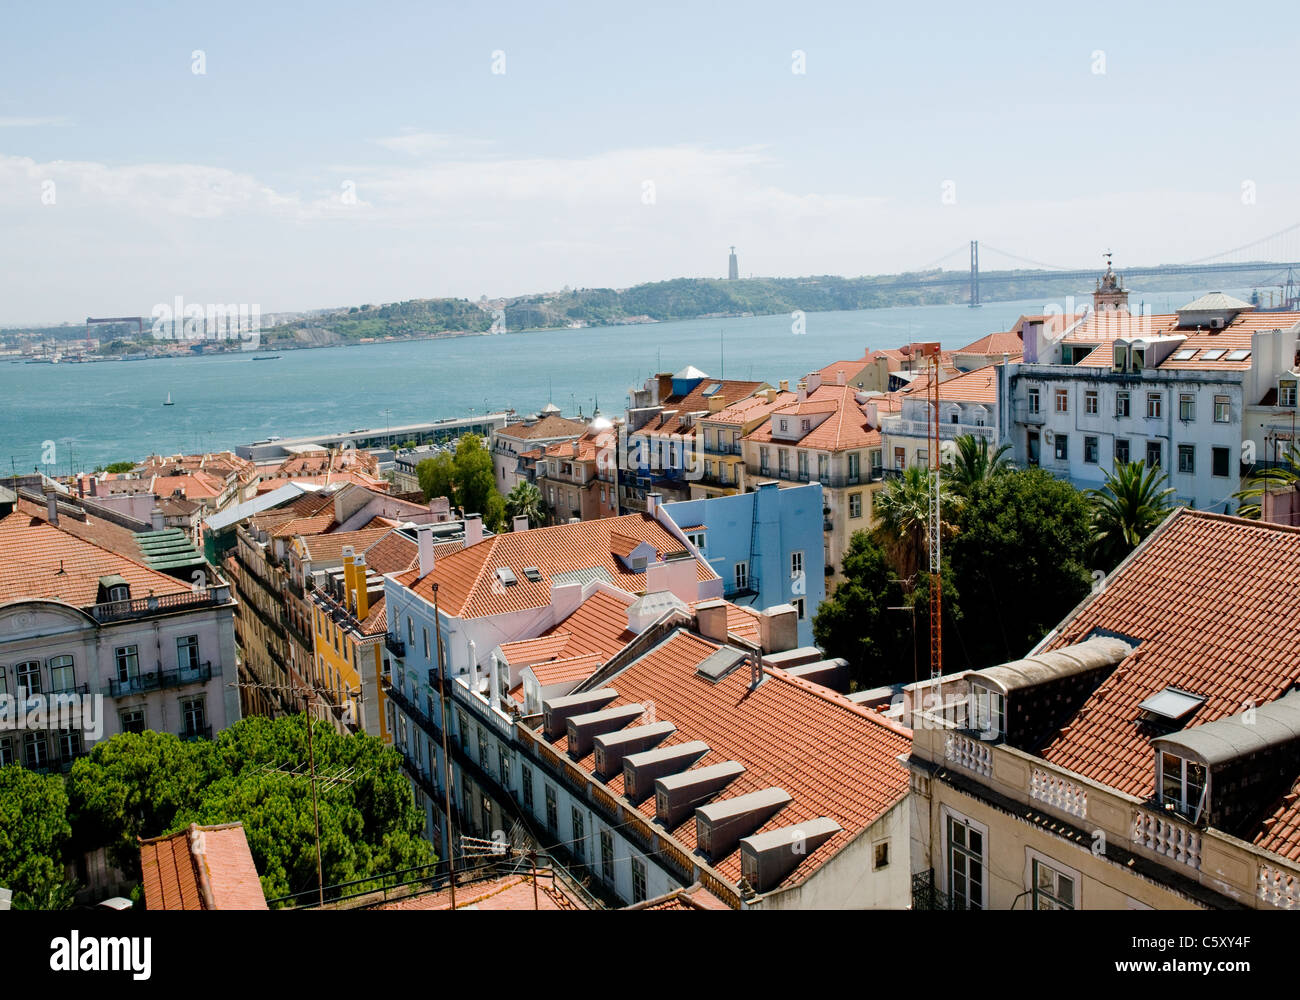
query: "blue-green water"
99, 413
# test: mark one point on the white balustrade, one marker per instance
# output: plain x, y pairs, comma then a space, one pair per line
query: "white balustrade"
974, 755
1167, 838
1058, 792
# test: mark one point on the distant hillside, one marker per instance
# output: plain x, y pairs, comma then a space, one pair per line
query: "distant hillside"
413, 318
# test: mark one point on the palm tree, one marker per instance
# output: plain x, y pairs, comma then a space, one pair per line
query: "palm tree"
902, 510
525, 500
973, 464
1278, 478
1133, 501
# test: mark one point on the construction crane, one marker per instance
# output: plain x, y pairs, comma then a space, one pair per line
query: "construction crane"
931, 353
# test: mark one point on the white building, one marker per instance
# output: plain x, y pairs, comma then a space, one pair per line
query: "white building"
968, 405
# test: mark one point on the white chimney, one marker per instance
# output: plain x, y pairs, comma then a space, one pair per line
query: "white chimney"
52, 508
424, 537
565, 598
520, 523
652, 502
656, 577
839, 376
473, 529
156, 518
494, 679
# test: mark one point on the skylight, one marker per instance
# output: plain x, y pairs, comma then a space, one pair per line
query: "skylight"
713, 388
1213, 355
1241, 354
506, 575
1172, 704
532, 573
1185, 355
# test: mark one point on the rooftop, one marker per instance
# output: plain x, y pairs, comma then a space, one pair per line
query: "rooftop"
201, 868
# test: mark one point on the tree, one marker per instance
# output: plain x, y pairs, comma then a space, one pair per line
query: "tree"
34, 830
151, 784
973, 464
525, 500
1133, 501
1278, 478
1019, 561
467, 480
437, 477
902, 508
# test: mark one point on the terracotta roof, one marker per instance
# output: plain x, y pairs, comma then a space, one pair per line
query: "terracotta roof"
393, 553
201, 868
1106, 328
317, 524
696, 401
846, 428
741, 621
538, 650
38, 560
1213, 603
329, 547
468, 585
512, 892
376, 622
978, 386
193, 484
1010, 342
549, 426
750, 408
623, 545
574, 668
833, 757
694, 897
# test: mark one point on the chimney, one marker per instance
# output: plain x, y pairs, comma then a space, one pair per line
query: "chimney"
156, 518
652, 502
656, 578
94, 486
520, 523
716, 402
349, 576
682, 580
711, 618
771, 395
424, 537
664, 382
839, 376
52, 508
778, 628
363, 592
813, 381
81, 485
473, 529
785, 385
565, 598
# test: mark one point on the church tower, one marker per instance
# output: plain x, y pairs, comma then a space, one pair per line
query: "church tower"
1111, 295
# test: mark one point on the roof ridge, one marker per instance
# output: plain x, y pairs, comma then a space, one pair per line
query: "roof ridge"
837, 699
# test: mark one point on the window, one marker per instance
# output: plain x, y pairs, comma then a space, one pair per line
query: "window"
69, 744
696, 538
1053, 890
1186, 406
552, 814
193, 716
28, 677
61, 678
485, 816
880, 855
965, 864
1155, 405
462, 728
187, 652
1182, 785
425, 630
1222, 409
579, 835
805, 425
742, 575
802, 457
119, 593
1090, 402
1121, 451
1062, 448
1034, 401
824, 466
132, 720
1187, 458
990, 712
4, 682
1090, 450
638, 881
1121, 404
410, 626
1153, 454
503, 765
1286, 393
783, 462
526, 779
36, 752
607, 855
482, 750
798, 606
1239, 354
1220, 460
1062, 401
6, 752
785, 425
855, 505
796, 565
763, 460
900, 458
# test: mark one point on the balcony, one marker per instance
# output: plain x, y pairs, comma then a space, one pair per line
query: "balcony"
395, 645
413, 711
159, 679
145, 607
190, 733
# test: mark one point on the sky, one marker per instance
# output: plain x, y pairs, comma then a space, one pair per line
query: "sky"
311, 156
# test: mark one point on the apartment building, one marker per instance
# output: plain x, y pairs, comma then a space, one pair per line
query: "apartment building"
721, 432
825, 435
1204, 393
508, 444
662, 453
968, 405
1144, 755
578, 478
96, 643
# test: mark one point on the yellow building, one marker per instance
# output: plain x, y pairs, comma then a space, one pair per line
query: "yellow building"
351, 662
721, 433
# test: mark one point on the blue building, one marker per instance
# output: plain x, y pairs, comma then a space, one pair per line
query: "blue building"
767, 546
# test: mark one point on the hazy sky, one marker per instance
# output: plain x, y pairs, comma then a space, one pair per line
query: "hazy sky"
335, 154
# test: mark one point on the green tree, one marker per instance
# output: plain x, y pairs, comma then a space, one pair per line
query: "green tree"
1277, 478
525, 500
1019, 561
437, 477
972, 463
902, 510
150, 784
34, 831
467, 479
1127, 508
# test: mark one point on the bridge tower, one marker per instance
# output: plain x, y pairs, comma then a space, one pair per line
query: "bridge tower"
974, 273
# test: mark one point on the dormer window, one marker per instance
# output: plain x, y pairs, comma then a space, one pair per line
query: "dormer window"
1183, 786
988, 712
1286, 393
119, 593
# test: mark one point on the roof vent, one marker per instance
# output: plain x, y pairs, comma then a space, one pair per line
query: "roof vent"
506, 576
1171, 705
533, 574
720, 825
641, 769
556, 712
676, 795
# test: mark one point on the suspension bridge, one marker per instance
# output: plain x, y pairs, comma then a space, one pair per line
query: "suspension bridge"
1272, 261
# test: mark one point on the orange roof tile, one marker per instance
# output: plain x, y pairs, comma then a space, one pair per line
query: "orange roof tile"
549, 426
538, 650
1010, 342
696, 401
571, 669
847, 427
512, 892
1106, 327
201, 868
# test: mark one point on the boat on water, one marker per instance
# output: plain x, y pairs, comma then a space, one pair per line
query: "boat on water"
168, 401
265, 357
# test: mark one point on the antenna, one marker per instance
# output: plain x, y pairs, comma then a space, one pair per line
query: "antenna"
934, 522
